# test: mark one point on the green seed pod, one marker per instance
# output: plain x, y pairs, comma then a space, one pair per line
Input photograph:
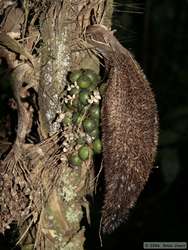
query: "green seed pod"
103, 88
74, 75
95, 78
80, 107
95, 111
84, 82
67, 120
76, 118
72, 104
75, 160
75, 102
83, 153
89, 125
81, 141
84, 96
97, 122
73, 91
95, 133
97, 146
65, 108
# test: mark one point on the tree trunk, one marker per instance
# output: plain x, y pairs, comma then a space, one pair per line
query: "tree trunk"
41, 42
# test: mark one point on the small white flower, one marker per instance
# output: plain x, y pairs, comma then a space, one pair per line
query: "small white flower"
65, 150
76, 85
96, 94
95, 100
62, 115
88, 138
69, 87
90, 101
71, 137
69, 97
65, 144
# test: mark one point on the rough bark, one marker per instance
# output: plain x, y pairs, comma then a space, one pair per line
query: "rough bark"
45, 42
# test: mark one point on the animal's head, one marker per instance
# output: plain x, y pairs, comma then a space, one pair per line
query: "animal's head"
100, 37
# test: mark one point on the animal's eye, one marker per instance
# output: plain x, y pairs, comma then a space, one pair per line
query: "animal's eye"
92, 38
89, 36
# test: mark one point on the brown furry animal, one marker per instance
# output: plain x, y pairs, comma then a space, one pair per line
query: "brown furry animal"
129, 128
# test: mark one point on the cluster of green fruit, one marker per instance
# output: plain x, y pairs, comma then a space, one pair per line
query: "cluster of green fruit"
84, 100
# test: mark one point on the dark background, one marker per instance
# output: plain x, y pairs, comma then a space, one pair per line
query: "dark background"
157, 34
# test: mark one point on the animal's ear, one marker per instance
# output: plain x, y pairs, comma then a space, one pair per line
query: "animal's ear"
93, 19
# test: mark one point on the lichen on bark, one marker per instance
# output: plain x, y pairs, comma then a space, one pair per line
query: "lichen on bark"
67, 200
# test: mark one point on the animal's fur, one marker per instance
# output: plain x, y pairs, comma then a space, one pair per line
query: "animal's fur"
129, 128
